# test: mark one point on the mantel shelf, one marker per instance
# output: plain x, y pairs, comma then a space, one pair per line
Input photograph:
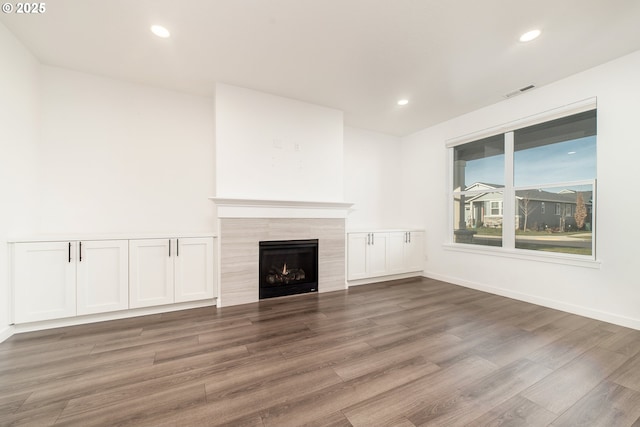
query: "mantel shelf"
268, 208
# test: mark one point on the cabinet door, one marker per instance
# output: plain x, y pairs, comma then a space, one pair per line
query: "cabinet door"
102, 276
378, 255
357, 255
151, 272
44, 281
414, 251
194, 275
397, 242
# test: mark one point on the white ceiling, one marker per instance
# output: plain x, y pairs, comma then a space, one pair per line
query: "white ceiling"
448, 57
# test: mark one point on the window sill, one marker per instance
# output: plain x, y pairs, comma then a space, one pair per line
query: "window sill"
523, 254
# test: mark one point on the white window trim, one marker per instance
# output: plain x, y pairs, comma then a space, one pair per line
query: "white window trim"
524, 254
547, 116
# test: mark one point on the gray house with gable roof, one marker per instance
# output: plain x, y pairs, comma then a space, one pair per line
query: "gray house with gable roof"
544, 210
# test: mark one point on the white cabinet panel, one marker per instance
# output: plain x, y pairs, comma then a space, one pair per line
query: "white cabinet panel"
44, 281
414, 251
150, 272
102, 276
194, 269
357, 244
397, 242
378, 255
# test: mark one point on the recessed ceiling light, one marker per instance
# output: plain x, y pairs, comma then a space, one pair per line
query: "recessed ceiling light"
529, 35
403, 102
160, 31
571, 152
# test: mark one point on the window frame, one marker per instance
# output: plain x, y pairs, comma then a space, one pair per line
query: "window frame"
498, 208
508, 248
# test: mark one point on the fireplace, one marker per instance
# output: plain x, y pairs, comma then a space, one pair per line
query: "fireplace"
288, 267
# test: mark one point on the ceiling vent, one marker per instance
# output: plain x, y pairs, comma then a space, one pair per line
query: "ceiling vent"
519, 91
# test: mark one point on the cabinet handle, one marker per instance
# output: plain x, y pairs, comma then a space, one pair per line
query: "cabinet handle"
80, 252
409, 237
368, 238
177, 247
373, 239
69, 251
406, 239
169, 248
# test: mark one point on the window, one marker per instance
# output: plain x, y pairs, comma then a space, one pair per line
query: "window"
478, 182
553, 162
496, 208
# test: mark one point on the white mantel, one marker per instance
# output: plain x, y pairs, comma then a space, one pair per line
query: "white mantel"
266, 208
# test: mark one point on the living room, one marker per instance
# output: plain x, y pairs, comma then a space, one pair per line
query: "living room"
95, 153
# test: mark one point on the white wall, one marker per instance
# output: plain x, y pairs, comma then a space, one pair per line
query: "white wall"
610, 292
372, 179
269, 147
19, 132
121, 157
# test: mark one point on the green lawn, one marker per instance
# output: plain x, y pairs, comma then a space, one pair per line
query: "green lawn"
485, 231
561, 249
492, 237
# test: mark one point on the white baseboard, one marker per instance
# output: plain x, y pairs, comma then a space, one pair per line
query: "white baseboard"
6, 333
92, 318
370, 280
604, 316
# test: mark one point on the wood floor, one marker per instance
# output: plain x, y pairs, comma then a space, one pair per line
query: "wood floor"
405, 353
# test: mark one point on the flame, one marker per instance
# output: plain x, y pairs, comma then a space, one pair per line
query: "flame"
284, 269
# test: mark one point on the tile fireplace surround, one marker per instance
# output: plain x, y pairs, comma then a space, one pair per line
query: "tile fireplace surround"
243, 223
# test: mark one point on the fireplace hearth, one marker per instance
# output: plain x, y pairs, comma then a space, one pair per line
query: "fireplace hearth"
288, 267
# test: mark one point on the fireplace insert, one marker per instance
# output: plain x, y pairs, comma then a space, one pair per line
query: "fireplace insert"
288, 267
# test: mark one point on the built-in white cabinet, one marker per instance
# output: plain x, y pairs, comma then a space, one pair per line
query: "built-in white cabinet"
164, 271
54, 280
368, 255
357, 244
406, 251
377, 254
62, 279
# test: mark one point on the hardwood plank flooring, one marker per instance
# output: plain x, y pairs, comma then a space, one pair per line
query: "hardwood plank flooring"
413, 352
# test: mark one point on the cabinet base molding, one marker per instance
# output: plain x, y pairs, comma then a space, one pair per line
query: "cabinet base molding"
370, 280
102, 317
6, 333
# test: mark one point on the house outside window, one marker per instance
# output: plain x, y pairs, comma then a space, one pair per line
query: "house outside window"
521, 171
496, 209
